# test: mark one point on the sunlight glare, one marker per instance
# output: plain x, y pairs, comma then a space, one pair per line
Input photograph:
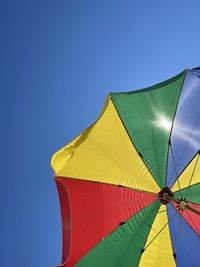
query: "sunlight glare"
164, 123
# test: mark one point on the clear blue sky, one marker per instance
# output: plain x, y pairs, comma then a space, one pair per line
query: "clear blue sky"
58, 60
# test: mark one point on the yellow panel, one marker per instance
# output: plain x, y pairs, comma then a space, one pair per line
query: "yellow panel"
159, 253
186, 175
104, 153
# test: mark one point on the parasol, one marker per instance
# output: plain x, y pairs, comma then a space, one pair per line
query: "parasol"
129, 185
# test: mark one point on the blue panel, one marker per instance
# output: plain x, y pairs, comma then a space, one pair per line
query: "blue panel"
185, 138
187, 249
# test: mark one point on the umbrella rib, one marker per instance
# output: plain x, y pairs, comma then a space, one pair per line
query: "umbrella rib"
190, 187
178, 236
112, 184
173, 159
158, 233
184, 171
139, 190
147, 162
193, 204
173, 120
192, 176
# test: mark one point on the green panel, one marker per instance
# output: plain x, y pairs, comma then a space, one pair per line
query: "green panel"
147, 115
122, 248
191, 193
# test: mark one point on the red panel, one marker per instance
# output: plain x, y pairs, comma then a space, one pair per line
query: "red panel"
192, 218
96, 210
66, 219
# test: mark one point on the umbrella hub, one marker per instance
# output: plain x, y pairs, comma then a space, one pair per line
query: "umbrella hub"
183, 205
164, 195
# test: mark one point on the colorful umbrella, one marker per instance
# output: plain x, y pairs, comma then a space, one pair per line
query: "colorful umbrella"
129, 185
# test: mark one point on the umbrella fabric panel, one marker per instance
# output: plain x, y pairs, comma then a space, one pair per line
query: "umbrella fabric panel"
97, 209
158, 252
192, 193
123, 247
185, 241
191, 218
147, 115
142, 141
66, 220
104, 153
185, 138
190, 176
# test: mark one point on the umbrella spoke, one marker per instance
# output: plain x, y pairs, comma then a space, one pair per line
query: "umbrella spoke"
195, 205
191, 177
178, 237
149, 166
139, 190
176, 172
158, 233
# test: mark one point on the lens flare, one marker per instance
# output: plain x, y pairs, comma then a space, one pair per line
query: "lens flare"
164, 123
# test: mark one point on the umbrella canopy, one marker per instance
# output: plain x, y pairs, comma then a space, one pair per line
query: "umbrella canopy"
129, 185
